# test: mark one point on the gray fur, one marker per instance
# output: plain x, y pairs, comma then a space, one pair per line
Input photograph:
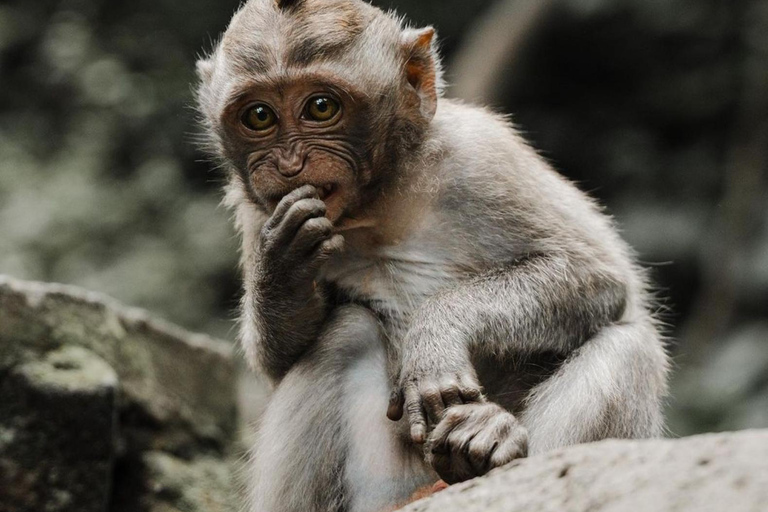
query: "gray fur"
495, 298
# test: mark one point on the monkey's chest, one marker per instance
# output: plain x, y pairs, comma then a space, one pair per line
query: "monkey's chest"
393, 283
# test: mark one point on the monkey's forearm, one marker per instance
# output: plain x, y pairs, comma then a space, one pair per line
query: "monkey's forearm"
286, 329
543, 303
283, 308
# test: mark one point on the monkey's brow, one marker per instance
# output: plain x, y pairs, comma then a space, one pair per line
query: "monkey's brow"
310, 50
332, 83
254, 61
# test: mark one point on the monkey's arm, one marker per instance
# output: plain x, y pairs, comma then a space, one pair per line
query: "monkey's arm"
550, 302
283, 309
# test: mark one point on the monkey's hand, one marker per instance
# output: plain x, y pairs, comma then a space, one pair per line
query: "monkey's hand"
427, 387
294, 243
472, 439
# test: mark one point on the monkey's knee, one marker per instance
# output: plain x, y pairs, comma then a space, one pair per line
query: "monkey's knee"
613, 386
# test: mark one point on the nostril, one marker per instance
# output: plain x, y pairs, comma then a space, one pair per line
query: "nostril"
290, 165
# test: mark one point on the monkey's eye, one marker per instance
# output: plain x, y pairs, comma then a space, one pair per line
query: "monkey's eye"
322, 108
259, 118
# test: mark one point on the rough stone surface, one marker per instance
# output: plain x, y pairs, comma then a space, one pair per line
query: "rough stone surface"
57, 433
102, 408
180, 380
714, 472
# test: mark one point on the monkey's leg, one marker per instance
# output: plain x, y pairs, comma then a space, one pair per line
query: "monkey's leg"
325, 443
612, 386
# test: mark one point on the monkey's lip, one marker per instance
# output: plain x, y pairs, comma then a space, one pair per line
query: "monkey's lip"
325, 191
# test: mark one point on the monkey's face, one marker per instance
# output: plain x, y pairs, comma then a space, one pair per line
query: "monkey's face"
323, 92
308, 130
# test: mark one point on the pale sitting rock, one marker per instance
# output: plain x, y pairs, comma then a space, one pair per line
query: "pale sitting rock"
708, 473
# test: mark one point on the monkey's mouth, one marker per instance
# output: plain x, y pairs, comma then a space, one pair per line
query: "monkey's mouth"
326, 191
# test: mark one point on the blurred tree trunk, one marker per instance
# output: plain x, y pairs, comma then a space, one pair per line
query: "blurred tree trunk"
737, 220
487, 57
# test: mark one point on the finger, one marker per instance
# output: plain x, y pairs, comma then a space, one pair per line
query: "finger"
331, 246
287, 201
480, 449
311, 233
433, 403
470, 389
325, 250
298, 214
415, 414
395, 409
450, 393
438, 439
512, 446
507, 451
459, 441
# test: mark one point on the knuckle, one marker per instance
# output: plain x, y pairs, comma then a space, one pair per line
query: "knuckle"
453, 415
288, 200
332, 245
414, 411
317, 225
415, 417
431, 394
305, 189
306, 207
471, 393
265, 234
450, 391
299, 192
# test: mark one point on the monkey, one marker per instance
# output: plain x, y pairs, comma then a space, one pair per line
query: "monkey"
428, 298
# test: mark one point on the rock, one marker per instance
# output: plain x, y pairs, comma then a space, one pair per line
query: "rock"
103, 408
58, 424
713, 472
174, 383
160, 482
188, 485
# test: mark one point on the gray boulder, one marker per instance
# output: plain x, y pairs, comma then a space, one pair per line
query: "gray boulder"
713, 472
103, 408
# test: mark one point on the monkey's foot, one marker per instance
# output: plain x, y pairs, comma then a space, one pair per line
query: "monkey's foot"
472, 439
423, 492
428, 490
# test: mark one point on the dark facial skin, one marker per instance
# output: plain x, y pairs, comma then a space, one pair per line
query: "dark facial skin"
297, 144
287, 142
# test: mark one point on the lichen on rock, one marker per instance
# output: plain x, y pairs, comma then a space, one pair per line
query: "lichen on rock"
100, 402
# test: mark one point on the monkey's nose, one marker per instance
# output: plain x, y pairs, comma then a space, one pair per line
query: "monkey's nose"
290, 165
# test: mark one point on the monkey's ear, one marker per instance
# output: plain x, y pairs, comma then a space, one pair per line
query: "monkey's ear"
204, 68
421, 66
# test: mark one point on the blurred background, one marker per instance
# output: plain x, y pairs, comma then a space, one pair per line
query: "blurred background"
659, 108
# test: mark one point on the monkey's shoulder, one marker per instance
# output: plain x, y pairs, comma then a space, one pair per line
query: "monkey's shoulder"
480, 158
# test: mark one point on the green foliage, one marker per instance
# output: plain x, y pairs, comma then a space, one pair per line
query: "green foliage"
100, 182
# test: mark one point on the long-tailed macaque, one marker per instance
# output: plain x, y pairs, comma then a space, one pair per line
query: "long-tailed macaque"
428, 297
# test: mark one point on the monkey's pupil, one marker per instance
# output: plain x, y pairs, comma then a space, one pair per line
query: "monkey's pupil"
322, 105
262, 115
